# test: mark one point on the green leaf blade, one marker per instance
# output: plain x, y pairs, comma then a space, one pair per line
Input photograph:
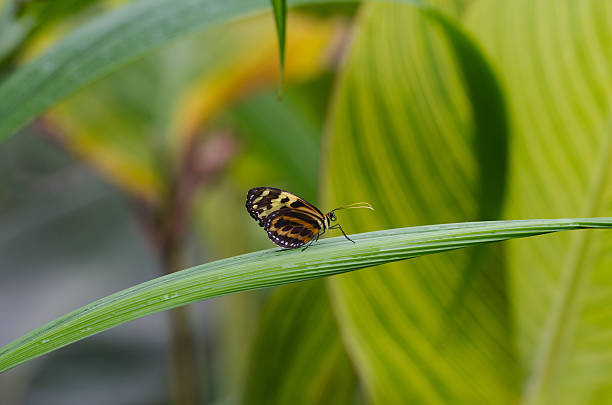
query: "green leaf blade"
269, 268
280, 19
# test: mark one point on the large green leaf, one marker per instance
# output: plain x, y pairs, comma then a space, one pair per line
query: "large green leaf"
298, 355
418, 130
554, 59
269, 268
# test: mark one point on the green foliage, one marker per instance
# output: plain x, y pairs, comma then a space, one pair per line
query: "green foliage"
557, 77
316, 371
21, 21
280, 19
98, 48
137, 135
103, 46
269, 268
460, 110
409, 127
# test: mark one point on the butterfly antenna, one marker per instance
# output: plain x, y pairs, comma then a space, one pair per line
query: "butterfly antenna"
355, 205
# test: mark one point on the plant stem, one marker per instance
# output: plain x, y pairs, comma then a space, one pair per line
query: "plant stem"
183, 370
201, 162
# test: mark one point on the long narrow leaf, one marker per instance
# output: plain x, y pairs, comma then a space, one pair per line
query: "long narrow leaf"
269, 268
280, 19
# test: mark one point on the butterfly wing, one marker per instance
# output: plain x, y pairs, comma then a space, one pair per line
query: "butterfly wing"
291, 228
263, 201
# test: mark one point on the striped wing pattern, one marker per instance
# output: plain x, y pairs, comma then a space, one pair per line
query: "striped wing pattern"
289, 220
291, 228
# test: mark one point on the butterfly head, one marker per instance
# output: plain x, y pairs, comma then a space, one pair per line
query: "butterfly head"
331, 217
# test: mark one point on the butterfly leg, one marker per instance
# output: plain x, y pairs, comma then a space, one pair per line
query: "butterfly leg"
313, 240
338, 226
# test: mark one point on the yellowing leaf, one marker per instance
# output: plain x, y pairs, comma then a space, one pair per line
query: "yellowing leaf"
135, 125
311, 47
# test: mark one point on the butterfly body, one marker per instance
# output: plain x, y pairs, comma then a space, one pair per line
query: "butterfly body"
289, 220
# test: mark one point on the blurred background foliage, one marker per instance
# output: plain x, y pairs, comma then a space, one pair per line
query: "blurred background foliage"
462, 110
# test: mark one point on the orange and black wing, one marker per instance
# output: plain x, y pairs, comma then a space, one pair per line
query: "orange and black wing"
263, 201
291, 228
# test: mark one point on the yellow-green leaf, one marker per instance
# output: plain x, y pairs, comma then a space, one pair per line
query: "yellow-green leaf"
554, 60
416, 110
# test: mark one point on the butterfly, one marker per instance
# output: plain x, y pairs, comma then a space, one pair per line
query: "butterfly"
291, 221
